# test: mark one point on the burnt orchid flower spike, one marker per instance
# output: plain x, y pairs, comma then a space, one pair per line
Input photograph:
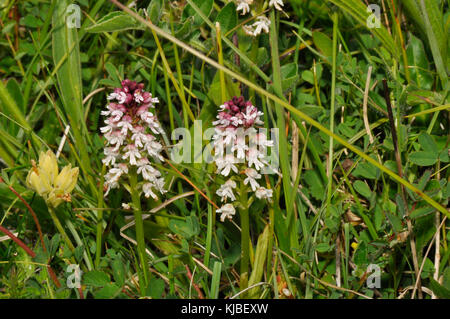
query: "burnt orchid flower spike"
132, 133
237, 119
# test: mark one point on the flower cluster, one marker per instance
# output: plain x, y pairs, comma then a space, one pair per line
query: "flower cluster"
44, 178
235, 133
262, 23
131, 133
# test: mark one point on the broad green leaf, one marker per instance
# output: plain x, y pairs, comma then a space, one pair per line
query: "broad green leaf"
187, 229
401, 206
114, 21
16, 93
107, 292
8, 27
439, 290
78, 253
427, 270
155, 288
66, 53
281, 229
66, 58
418, 63
435, 187
227, 18
96, 278
314, 182
424, 229
424, 180
446, 281
323, 43
379, 217
312, 110
118, 269
366, 170
362, 188
263, 57
323, 247
289, 74
444, 156
113, 74
308, 76
423, 158
232, 89
428, 144
31, 21
422, 211
10, 107
360, 256
205, 7
54, 244
155, 10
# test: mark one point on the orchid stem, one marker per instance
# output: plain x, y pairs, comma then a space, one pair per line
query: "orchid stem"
245, 238
139, 228
98, 251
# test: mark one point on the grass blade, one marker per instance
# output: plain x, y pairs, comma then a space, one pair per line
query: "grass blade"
215, 283
436, 36
358, 10
66, 53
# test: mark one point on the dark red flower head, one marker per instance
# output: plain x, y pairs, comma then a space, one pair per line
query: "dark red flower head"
236, 105
237, 112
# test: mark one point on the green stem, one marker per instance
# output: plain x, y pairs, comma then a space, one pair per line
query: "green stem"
209, 232
139, 228
60, 228
333, 89
245, 237
98, 251
220, 54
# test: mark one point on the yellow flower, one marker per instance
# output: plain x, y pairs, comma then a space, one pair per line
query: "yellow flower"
48, 165
34, 181
45, 180
354, 245
67, 179
56, 197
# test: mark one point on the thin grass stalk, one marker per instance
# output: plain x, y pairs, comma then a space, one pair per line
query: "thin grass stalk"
284, 159
220, 54
169, 102
167, 69
230, 44
180, 80
332, 105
